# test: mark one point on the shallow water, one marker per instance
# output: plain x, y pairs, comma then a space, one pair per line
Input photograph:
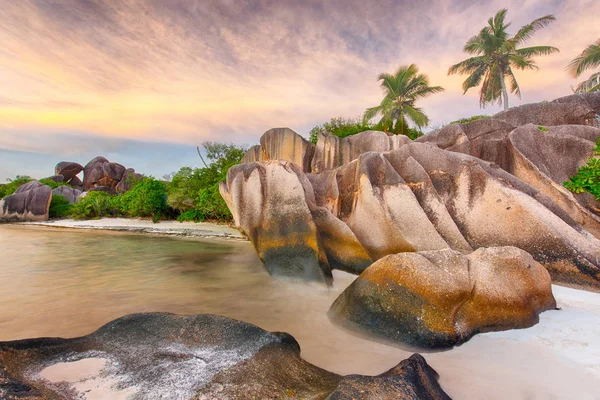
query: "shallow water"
68, 283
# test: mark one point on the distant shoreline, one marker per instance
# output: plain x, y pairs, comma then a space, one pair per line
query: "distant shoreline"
134, 225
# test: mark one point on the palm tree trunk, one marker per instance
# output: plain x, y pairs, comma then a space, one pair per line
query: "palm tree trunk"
504, 93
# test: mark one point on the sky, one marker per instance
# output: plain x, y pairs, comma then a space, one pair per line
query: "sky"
142, 82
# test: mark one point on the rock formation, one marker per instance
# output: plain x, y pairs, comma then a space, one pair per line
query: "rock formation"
101, 172
437, 299
30, 202
69, 193
68, 169
161, 355
348, 202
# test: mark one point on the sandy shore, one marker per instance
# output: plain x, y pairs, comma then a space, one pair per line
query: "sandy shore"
196, 229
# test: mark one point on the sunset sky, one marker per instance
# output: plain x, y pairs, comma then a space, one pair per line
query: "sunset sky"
143, 82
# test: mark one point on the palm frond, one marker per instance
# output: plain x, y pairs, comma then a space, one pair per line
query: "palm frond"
528, 30
467, 66
536, 51
514, 85
587, 59
521, 62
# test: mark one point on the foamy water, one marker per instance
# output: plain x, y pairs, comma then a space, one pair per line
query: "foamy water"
65, 283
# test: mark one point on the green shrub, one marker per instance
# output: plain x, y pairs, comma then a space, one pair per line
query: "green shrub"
340, 127
52, 183
587, 178
12, 185
542, 128
59, 207
147, 198
191, 215
470, 119
195, 192
95, 205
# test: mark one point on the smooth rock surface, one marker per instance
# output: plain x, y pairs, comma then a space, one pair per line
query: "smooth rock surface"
69, 193
437, 299
68, 169
30, 202
159, 355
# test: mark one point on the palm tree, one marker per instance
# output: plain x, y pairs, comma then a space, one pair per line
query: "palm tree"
401, 91
588, 59
495, 54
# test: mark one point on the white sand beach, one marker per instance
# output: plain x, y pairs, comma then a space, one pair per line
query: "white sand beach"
196, 229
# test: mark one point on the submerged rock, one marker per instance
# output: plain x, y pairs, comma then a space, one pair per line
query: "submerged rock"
437, 299
30, 202
159, 355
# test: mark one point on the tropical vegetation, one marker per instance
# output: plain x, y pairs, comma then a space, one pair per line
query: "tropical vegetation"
341, 127
401, 92
494, 55
587, 178
588, 59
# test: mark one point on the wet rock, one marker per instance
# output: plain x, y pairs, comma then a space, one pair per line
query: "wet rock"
161, 355
30, 202
412, 379
69, 193
437, 299
68, 169
268, 202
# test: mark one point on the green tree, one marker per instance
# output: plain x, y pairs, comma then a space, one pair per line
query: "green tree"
340, 127
195, 192
495, 54
401, 91
589, 58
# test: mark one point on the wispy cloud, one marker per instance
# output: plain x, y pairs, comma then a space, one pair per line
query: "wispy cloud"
189, 70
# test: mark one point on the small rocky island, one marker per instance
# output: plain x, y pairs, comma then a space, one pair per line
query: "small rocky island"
459, 232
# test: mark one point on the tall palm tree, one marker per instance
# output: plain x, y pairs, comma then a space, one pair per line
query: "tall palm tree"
588, 59
495, 54
401, 91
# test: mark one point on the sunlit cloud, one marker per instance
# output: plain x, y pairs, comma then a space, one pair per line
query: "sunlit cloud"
184, 71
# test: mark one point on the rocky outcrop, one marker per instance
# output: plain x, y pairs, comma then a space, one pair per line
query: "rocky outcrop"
437, 299
332, 152
68, 169
415, 198
101, 172
191, 357
69, 193
128, 179
392, 384
30, 202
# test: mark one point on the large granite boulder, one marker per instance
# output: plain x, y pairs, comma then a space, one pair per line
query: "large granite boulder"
332, 152
162, 355
30, 202
69, 193
128, 179
68, 169
550, 113
274, 204
437, 299
415, 198
101, 172
392, 384
285, 144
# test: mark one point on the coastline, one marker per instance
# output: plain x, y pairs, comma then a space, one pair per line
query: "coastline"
135, 225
